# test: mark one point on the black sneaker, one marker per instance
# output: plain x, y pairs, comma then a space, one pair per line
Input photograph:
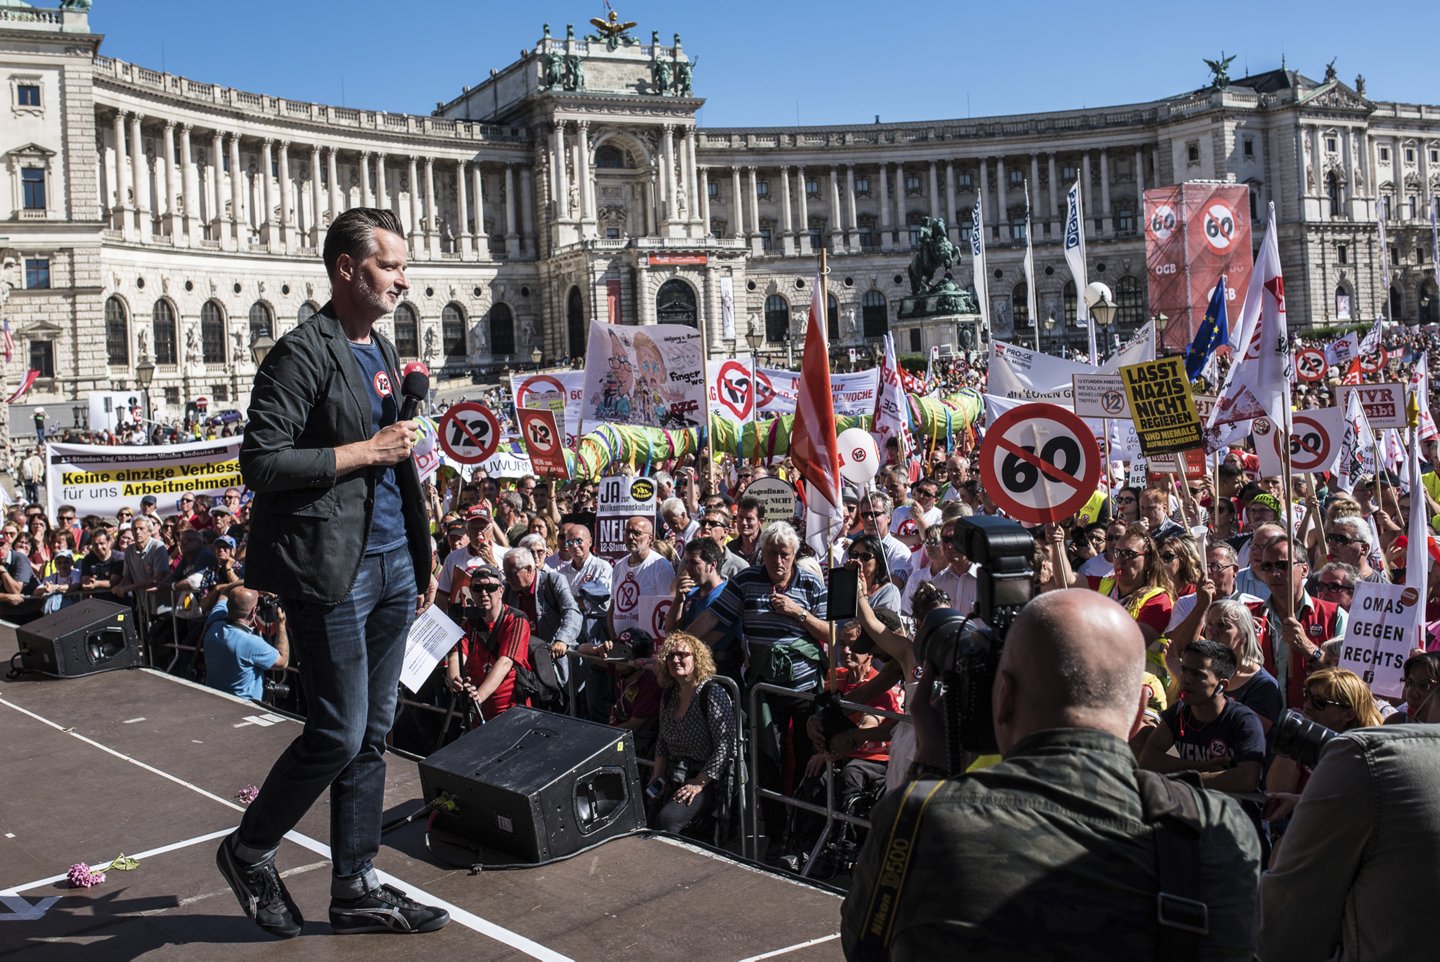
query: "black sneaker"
261, 893
384, 909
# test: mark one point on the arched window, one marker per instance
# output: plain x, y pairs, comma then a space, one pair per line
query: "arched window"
609, 157
502, 330
212, 333
307, 310
407, 331
1130, 300
1020, 306
575, 322
675, 304
452, 331
117, 333
1071, 306
162, 331
262, 319
874, 314
1332, 191
1428, 296
832, 319
777, 319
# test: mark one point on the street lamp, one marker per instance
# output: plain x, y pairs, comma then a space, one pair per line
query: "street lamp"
80, 414
144, 374
754, 335
536, 356
1100, 304
1050, 330
1161, 322
260, 345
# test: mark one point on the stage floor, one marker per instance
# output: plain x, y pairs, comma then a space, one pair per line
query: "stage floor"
140, 763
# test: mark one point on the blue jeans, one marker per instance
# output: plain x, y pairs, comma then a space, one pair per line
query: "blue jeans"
350, 659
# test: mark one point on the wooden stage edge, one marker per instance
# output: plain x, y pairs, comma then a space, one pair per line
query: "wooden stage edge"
148, 765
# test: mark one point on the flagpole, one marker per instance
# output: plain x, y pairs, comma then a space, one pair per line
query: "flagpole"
834, 659
709, 427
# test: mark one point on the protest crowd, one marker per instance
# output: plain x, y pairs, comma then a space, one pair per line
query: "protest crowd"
1241, 588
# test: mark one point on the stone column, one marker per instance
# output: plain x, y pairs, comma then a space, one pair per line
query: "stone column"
317, 201
650, 204
217, 186
1427, 191
462, 212
172, 182
560, 182
952, 230
142, 180
934, 189
417, 236
122, 172
332, 170
737, 205
1085, 197
754, 211
698, 205
582, 170
1033, 188
267, 193
190, 188
982, 190
482, 239
1001, 219
367, 198
237, 196
1107, 219
837, 228
1352, 155
667, 179
1057, 212
787, 221
286, 197
529, 240
852, 228
804, 232
702, 187
382, 186
902, 231
1139, 184
512, 234
887, 234
432, 209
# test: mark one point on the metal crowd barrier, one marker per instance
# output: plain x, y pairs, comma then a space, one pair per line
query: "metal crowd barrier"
828, 810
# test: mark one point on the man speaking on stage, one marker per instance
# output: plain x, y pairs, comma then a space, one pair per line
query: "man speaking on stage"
338, 531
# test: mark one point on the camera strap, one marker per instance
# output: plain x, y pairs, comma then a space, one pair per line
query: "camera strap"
874, 942
1173, 814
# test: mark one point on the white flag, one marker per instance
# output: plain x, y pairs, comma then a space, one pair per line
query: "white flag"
1259, 383
1372, 340
1356, 446
892, 406
977, 254
1421, 381
1075, 257
1030, 307
1417, 552
1343, 351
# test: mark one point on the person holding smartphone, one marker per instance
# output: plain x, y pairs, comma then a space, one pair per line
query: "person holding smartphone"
868, 553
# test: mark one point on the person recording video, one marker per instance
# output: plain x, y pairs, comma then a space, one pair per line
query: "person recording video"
1064, 820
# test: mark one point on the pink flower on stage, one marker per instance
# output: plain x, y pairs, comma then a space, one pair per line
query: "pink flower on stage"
82, 876
247, 794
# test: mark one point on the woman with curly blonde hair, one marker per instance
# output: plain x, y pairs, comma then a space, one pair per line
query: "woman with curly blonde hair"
697, 734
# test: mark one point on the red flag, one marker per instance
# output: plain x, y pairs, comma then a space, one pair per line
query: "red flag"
813, 446
26, 383
1353, 375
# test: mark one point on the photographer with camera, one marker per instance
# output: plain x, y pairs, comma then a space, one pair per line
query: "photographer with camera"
1063, 850
496, 643
236, 655
1348, 880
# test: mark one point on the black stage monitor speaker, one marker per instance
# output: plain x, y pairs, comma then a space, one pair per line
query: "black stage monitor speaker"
84, 638
537, 785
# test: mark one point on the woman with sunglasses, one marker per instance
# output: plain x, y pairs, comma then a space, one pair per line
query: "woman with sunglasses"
868, 554
1142, 585
1127, 504
697, 735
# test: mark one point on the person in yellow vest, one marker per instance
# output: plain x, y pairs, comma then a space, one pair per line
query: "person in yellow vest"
1141, 584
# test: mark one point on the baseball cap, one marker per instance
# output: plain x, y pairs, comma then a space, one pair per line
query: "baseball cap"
478, 513
224, 541
220, 509
149, 499
479, 570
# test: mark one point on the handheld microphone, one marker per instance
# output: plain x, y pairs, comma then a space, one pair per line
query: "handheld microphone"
415, 388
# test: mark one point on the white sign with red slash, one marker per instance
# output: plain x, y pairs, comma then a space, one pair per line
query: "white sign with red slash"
469, 432
1374, 363
1040, 462
1310, 364
1314, 442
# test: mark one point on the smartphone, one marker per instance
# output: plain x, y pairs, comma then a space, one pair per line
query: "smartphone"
842, 602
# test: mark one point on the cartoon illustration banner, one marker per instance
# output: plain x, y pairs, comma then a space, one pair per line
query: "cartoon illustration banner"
650, 376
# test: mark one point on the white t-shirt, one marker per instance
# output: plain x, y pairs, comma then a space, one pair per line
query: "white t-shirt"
460, 558
909, 514
654, 575
1096, 567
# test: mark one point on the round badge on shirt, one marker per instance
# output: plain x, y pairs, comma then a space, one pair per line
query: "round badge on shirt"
382, 383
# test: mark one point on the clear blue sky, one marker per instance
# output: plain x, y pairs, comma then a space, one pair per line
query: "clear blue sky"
763, 64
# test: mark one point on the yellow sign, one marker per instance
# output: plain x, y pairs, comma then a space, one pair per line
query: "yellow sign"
1162, 406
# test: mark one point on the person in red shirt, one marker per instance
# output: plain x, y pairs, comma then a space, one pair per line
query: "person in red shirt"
863, 755
1294, 625
498, 641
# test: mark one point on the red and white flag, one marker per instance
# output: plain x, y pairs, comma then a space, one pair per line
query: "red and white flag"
892, 406
1259, 382
27, 382
813, 445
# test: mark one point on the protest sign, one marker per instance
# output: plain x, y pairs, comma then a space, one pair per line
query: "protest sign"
651, 376
1100, 396
542, 441
776, 390
1384, 404
618, 499
1384, 626
1161, 405
558, 391
102, 479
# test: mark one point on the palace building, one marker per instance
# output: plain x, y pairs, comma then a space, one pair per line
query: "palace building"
160, 220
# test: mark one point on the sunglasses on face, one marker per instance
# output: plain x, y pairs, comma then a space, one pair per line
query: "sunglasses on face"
572, 542
1168, 556
1219, 566
871, 514
679, 655
1270, 567
1340, 538
1125, 554
707, 523
1334, 586
862, 557
1320, 704
1125, 500
489, 589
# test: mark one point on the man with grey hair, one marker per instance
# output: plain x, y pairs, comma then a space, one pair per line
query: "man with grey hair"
147, 564
584, 566
1348, 539
1065, 819
680, 528
875, 510
510, 515
545, 599
1247, 579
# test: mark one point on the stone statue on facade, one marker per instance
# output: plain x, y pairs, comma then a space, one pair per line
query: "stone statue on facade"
553, 70
1360, 84
612, 31
1331, 74
574, 72
1220, 70
239, 355
659, 76
140, 342
684, 73
80, 5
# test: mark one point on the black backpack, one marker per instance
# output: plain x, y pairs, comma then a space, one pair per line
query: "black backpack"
540, 684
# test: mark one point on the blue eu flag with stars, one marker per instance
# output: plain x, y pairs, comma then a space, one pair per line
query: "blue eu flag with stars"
1213, 332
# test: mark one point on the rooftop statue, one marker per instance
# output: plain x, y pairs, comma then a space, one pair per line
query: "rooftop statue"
1220, 70
684, 73
659, 76
74, 4
612, 31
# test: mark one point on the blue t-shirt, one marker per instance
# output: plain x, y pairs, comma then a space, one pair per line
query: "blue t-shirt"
1235, 735
235, 659
387, 523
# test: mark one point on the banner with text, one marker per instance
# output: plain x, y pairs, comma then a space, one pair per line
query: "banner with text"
1384, 626
619, 499
1161, 405
101, 479
651, 376
776, 390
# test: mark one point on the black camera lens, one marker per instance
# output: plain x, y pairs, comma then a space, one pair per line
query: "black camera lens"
1299, 739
